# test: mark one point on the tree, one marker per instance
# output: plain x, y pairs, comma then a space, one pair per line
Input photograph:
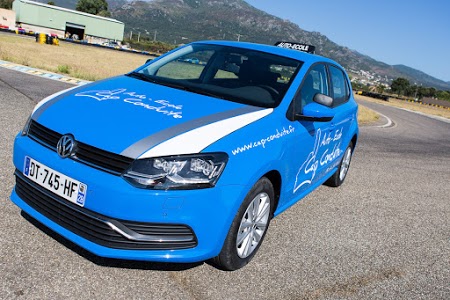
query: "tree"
433, 92
411, 91
92, 6
380, 89
104, 13
51, 3
7, 4
400, 86
422, 92
443, 95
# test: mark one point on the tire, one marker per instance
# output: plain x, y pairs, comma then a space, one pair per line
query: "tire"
339, 176
247, 230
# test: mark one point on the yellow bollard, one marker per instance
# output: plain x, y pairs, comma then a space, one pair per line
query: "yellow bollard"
42, 38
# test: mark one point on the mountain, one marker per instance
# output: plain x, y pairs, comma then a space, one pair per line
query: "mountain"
183, 21
421, 77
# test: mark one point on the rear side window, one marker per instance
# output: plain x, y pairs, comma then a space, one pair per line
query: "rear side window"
341, 91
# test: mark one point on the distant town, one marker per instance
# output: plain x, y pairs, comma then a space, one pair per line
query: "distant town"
369, 79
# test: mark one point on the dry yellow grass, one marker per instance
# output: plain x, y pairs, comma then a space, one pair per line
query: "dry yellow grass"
79, 61
436, 111
366, 115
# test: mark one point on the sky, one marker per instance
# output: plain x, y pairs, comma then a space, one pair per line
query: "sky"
415, 33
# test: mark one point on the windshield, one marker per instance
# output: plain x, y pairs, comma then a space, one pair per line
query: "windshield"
235, 74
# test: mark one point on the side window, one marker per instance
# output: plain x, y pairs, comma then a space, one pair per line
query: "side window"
284, 73
339, 83
224, 74
315, 82
230, 66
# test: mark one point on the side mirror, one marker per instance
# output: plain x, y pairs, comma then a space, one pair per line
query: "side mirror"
148, 60
323, 99
316, 112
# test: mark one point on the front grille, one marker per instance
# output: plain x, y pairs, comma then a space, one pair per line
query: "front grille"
110, 162
43, 135
94, 227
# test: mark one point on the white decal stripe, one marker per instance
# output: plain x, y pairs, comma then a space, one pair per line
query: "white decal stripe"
159, 137
51, 97
198, 139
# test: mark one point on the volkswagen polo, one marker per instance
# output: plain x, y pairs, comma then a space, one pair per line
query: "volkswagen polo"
183, 162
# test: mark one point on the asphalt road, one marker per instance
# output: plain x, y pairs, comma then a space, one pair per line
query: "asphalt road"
384, 234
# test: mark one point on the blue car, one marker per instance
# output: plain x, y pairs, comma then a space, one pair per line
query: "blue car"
179, 162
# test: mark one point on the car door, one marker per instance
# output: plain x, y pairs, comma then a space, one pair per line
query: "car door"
336, 138
309, 146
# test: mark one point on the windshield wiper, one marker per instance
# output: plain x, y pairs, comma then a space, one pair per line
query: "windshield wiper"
141, 76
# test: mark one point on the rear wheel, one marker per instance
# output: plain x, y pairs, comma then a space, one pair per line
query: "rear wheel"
339, 176
249, 227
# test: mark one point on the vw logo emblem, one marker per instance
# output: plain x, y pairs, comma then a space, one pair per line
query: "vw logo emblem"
65, 146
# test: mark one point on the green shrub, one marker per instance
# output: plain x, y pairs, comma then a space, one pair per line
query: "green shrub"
65, 69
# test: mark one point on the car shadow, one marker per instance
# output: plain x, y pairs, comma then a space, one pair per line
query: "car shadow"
109, 262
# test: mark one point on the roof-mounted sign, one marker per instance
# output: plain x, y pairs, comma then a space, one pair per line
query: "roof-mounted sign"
297, 46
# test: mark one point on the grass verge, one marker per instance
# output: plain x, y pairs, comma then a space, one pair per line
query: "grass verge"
436, 111
89, 63
367, 116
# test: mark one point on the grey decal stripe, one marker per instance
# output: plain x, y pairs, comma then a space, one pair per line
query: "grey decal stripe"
135, 150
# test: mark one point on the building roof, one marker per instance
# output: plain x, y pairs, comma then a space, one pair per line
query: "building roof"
69, 10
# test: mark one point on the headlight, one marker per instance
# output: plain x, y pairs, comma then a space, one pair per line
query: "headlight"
26, 127
177, 172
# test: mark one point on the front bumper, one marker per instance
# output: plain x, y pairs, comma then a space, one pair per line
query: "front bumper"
102, 230
121, 221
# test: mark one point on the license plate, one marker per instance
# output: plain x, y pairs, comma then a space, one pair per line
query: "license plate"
56, 182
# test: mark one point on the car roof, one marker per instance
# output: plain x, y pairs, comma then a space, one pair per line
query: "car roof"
295, 54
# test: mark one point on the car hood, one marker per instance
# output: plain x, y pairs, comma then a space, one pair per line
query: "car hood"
139, 119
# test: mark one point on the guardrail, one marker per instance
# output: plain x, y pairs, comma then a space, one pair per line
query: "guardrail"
436, 103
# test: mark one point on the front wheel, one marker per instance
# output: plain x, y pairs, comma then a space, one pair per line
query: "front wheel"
249, 227
339, 176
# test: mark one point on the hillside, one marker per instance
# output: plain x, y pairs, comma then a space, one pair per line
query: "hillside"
420, 76
182, 21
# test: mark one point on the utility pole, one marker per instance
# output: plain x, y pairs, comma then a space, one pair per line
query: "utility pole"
139, 36
239, 37
154, 36
131, 35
